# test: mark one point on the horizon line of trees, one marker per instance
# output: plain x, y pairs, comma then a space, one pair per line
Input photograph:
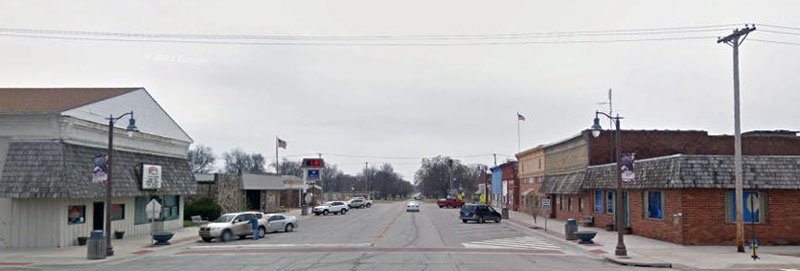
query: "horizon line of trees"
382, 180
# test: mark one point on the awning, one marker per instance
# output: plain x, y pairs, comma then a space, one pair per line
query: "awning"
526, 192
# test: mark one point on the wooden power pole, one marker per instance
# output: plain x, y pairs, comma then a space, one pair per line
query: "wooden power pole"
734, 40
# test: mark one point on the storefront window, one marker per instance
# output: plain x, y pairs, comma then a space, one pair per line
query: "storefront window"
610, 202
117, 212
755, 207
76, 214
654, 204
598, 202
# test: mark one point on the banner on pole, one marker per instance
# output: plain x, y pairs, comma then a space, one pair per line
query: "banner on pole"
100, 171
628, 172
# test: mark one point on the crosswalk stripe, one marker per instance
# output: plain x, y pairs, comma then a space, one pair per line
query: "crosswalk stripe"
523, 242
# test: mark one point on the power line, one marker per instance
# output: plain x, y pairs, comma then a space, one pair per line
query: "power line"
596, 36
780, 27
777, 42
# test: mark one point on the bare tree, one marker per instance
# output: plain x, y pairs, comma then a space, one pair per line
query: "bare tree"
201, 159
237, 161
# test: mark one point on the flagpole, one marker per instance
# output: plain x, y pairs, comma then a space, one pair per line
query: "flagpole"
518, 134
277, 162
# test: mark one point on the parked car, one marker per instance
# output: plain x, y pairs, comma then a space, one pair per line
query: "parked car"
479, 213
412, 206
233, 224
281, 222
357, 202
450, 203
335, 207
418, 196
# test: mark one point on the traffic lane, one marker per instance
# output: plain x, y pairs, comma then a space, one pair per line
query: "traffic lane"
413, 229
357, 226
361, 261
454, 232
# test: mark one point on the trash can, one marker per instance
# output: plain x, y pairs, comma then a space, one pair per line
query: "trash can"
570, 228
505, 213
96, 247
304, 210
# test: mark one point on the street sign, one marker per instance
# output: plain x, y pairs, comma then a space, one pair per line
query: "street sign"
153, 209
545, 204
313, 174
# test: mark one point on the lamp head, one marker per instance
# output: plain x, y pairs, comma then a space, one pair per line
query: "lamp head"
596, 128
131, 126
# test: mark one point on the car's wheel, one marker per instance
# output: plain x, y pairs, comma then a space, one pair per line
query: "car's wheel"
325, 212
440, 206
464, 220
226, 236
262, 232
369, 205
289, 228
480, 220
207, 239
497, 220
343, 211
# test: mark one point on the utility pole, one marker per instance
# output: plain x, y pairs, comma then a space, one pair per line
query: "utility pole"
734, 40
366, 178
495, 159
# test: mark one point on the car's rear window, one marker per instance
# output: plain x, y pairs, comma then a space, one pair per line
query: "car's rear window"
468, 208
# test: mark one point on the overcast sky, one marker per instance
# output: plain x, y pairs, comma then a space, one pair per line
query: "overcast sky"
414, 101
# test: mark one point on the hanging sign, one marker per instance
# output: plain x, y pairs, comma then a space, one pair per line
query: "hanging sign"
151, 176
100, 171
628, 173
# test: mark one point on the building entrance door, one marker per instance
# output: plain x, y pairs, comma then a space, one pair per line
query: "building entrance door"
98, 214
253, 199
626, 207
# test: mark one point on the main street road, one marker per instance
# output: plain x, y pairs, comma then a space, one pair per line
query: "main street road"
383, 237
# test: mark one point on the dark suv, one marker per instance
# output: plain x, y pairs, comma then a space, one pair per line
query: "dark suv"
480, 213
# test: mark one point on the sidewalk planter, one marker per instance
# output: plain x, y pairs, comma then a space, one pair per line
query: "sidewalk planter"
609, 227
162, 238
627, 230
586, 237
119, 234
82, 240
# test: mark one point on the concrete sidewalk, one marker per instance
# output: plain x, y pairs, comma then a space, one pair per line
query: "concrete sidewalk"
124, 249
650, 252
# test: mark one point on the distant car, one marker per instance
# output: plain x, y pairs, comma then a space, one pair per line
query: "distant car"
412, 206
450, 203
418, 197
479, 213
233, 224
335, 207
281, 222
357, 202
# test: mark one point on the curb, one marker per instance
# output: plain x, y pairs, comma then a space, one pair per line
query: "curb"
558, 240
637, 264
610, 259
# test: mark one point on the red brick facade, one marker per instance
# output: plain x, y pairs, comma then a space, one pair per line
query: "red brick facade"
653, 143
694, 216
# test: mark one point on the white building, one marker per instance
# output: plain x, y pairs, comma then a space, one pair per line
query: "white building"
48, 140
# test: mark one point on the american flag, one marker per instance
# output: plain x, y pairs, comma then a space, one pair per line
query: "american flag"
281, 143
520, 117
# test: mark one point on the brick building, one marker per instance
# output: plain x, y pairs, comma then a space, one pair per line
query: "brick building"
531, 177
684, 188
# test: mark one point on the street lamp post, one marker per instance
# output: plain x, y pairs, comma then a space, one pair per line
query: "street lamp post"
130, 130
596, 128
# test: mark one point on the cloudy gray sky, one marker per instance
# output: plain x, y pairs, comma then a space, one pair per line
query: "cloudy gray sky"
413, 101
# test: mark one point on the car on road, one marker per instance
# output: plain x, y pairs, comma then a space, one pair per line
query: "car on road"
357, 202
229, 225
450, 203
281, 222
412, 206
418, 196
334, 207
479, 213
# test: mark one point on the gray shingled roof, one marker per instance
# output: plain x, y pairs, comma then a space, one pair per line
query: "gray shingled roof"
59, 170
569, 183
702, 171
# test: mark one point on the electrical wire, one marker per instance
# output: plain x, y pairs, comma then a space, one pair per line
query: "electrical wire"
776, 42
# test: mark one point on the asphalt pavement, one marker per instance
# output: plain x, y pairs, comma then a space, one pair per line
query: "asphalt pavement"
383, 237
